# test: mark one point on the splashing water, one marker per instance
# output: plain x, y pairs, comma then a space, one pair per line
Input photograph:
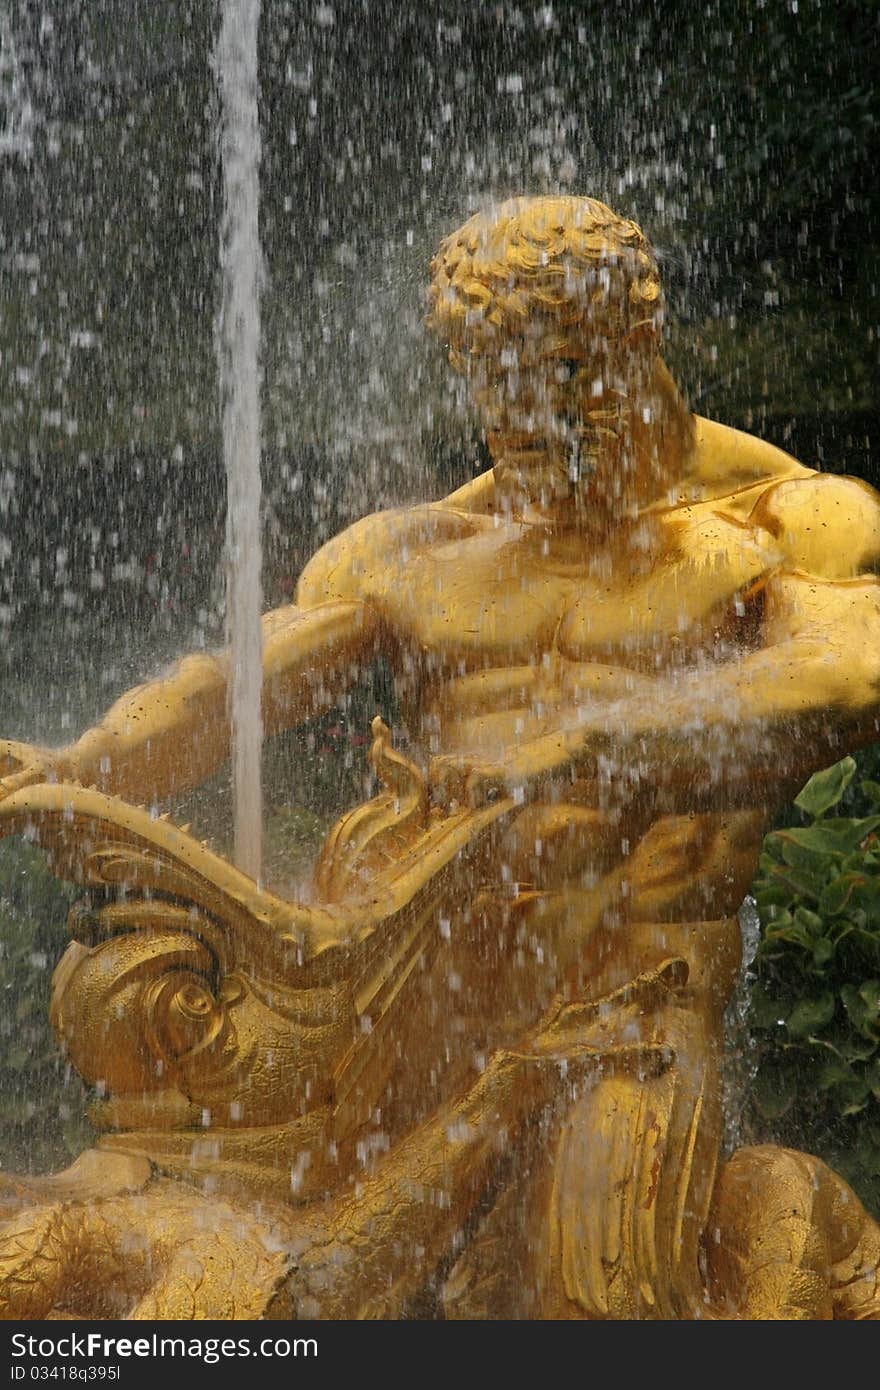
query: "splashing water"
740, 1057
238, 354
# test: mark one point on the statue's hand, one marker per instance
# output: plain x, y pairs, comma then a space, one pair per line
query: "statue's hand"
24, 764
460, 780
166, 1253
522, 771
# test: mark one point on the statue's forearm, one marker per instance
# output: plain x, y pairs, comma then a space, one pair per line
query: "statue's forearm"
163, 736
776, 711
170, 734
771, 710
367, 1253
364, 1253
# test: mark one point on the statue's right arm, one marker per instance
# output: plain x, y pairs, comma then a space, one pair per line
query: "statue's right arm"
168, 735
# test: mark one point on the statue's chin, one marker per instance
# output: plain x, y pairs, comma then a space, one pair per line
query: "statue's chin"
539, 481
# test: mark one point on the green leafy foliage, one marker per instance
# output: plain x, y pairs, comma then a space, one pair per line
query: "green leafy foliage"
815, 1003
42, 1101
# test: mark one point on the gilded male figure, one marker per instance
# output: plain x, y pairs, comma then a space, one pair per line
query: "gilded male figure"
619, 650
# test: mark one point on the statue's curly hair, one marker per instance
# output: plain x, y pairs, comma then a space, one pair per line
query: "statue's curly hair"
558, 271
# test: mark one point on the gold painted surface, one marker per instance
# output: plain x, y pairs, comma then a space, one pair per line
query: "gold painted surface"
481, 1058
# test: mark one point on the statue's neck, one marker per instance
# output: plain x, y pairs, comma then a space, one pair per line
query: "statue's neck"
635, 470
671, 432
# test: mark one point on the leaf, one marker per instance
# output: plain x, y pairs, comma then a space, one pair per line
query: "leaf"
870, 993
870, 790
864, 904
832, 1072
852, 1051
837, 836
811, 921
809, 1016
862, 1004
771, 894
776, 920
791, 932
774, 1089
834, 897
805, 857
824, 789
852, 1095
765, 1009
771, 854
17, 1058
801, 882
26, 1008
872, 1076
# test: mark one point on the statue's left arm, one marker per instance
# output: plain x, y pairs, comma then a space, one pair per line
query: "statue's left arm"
780, 709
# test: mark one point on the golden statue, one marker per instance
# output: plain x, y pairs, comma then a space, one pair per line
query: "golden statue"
476, 1073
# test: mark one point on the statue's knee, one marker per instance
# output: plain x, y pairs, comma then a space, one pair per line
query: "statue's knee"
769, 1169
791, 1181
766, 1186
766, 1241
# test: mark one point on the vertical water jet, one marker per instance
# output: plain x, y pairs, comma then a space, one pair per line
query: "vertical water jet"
238, 350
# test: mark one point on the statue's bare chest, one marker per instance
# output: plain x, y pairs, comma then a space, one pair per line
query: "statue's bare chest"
478, 596
500, 595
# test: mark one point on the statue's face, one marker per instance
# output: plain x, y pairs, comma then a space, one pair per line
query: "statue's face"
561, 424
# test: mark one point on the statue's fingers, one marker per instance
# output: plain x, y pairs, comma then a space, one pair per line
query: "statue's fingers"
224, 1275
159, 1254
14, 757
576, 1058
447, 779
484, 786
192, 1257
21, 766
33, 1263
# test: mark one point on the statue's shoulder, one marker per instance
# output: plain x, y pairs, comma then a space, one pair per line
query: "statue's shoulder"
475, 497
828, 524
363, 559
727, 460
342, 567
